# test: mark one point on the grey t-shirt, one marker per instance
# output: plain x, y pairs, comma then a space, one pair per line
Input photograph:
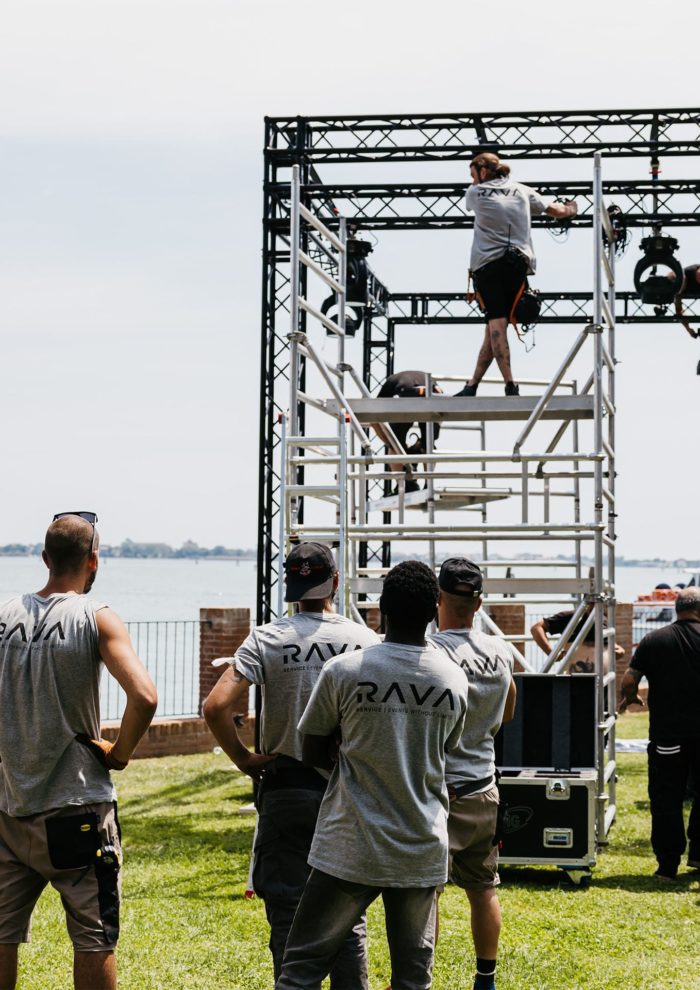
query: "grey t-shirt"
488, 663
502, 211
383, 820
49, 691
286, 657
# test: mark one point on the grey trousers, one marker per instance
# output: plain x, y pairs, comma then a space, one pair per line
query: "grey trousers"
330, 907
286, 823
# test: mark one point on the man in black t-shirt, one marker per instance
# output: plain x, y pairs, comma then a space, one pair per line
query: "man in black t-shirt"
669, 658
407, 384
583, 661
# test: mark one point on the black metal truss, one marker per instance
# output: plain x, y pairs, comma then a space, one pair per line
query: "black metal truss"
310, 142
557, 307
425, 206
439, 137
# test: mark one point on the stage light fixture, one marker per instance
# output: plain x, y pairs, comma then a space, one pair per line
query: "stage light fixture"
353, 315
658, 290
357, 270
360, 287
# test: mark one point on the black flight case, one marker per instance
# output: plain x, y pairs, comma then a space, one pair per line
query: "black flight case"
546, 759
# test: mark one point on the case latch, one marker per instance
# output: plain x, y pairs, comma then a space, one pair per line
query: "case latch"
558, 790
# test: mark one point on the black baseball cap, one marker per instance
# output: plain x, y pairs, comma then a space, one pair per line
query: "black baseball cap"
309, 569
459, 576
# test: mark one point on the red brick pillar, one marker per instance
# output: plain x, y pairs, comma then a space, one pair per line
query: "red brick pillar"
623, 637
510, 619
221, 632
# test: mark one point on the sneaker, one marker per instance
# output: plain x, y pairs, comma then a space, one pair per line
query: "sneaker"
410, 486
512, 388
667, 877
467, 390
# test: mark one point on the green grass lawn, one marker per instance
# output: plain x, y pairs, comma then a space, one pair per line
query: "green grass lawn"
633, 725
187, 926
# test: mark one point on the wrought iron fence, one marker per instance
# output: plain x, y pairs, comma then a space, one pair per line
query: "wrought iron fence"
648, 616
169, 649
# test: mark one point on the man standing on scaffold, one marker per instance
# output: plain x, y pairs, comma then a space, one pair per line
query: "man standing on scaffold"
502, 255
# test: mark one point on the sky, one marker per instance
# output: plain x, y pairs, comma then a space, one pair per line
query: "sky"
130, 251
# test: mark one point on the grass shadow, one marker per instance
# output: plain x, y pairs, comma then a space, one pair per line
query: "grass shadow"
646, 882
189, 788
181, 834
539, 878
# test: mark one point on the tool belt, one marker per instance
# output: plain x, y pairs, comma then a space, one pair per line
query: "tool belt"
285, 773
471, 786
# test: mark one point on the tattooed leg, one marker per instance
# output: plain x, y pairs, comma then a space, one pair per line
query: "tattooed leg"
498, 330
484, 359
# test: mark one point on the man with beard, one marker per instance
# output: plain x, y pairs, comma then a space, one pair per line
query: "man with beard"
502, 255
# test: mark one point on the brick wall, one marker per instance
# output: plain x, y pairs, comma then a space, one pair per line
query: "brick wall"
510, 619
624, 638
222, 631
177, 737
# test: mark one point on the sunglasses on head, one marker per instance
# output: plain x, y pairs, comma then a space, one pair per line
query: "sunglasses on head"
90, 517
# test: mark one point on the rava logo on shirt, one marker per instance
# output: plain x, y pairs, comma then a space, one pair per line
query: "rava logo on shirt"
293, 653
486, 192
20, 632
404, 694
482, 664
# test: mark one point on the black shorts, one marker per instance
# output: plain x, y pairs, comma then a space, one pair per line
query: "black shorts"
497, 285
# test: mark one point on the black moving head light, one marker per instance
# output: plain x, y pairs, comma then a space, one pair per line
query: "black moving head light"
658, 290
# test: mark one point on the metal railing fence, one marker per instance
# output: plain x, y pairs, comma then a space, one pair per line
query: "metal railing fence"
169, 649
649, 616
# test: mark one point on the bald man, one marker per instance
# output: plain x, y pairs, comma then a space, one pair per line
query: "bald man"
58, 815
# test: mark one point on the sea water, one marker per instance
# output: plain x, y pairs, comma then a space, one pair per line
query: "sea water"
176, 589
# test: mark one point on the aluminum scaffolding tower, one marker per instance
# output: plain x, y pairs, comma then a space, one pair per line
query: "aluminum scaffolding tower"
329, 473
331, 467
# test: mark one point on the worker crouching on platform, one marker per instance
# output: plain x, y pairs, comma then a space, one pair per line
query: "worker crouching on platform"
409, 384
502, 255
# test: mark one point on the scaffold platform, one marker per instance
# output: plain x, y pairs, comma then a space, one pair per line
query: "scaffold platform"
458, 409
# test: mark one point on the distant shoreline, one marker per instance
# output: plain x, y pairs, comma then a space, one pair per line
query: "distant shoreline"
247, 555
119, 556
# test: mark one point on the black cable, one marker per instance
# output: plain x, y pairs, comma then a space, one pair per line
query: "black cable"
559, 230
620, 229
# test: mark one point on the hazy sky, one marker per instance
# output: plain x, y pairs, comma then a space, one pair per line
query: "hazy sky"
130, 170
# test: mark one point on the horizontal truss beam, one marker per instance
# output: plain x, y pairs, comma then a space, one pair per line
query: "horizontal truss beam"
557, 307
437, 137
426, 206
